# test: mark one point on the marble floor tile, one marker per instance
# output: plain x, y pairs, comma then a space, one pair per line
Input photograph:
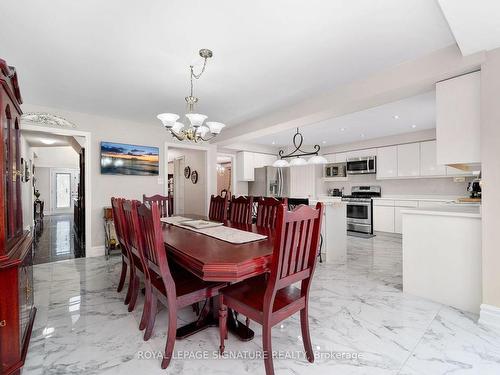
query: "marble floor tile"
360, 320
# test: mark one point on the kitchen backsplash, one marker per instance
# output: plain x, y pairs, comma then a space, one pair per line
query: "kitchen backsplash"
420, 186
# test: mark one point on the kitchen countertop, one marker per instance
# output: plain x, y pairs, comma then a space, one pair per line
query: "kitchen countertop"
456, 210
438, 198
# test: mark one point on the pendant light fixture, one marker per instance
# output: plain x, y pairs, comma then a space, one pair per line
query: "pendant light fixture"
297, 155
194, 128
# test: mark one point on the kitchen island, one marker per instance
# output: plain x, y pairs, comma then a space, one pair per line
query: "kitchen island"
334, 229
442, 254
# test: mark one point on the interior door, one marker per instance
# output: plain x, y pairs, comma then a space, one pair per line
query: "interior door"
179, 181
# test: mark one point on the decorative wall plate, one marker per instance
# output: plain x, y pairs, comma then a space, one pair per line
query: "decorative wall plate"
187, 172
194, 177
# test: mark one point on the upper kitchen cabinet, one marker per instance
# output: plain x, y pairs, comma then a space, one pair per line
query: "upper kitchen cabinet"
387, 162
247, 161
428, 160
458, 120
245, 166
409, 160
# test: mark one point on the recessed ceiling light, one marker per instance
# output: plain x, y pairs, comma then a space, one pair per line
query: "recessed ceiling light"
323, 142
273, 142
362, 135
342, 129
395, 117
47, 141
414, 126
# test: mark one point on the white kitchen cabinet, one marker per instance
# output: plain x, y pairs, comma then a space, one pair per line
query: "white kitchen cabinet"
361, 153
247, 161
450, 171
409, 160
302, 181
383, 218
458, 119
341, 157
387, 162
428, 160
331, 158
245, 166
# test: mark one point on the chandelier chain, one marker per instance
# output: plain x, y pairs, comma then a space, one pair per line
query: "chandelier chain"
197, 76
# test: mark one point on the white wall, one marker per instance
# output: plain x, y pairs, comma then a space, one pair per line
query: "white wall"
490, 162
56, 157
103, 187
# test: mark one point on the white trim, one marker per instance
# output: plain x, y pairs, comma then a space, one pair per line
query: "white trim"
490, 316
233, 172
95, 251
88, 175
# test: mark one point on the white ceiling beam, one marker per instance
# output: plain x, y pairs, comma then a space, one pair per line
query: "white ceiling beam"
404, 80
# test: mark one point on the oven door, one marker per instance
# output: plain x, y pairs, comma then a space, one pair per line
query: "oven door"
359, 212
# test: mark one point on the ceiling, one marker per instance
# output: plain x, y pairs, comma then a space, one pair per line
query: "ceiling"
129, 59
41, 139
414, 114
475, 24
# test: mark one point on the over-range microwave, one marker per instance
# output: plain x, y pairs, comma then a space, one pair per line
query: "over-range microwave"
335, 170
362, 165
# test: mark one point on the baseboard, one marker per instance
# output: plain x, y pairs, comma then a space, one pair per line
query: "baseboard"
95, 251
490, 316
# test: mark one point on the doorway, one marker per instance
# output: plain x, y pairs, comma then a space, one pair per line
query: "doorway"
54, 204
188, 183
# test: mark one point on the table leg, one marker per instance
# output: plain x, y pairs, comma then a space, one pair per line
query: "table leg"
209, 318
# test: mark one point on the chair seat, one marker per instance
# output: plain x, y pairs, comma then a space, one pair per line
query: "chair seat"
189, 288
251, 292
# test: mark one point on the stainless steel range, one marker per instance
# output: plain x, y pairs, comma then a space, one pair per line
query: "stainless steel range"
360, 208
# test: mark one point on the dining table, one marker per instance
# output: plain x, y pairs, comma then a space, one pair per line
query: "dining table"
213, 259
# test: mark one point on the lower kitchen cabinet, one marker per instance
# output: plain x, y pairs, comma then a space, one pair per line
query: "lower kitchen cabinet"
383, 218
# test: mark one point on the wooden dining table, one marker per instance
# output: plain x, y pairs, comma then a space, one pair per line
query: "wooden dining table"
212, 259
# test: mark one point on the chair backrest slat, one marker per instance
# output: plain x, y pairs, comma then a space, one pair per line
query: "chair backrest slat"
267, 211
241, 210
295, 247
165, 203
152, 245
218, 208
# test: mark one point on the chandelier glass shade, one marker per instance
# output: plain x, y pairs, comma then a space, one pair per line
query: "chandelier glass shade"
193, 128
297, 155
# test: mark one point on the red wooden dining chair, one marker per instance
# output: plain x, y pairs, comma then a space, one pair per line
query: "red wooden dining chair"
267, 211
218, 208
241, 210
269, 299
131, 242
165, 203
116, 205
174, 287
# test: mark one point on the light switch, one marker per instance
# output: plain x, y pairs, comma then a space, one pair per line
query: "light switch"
161, 181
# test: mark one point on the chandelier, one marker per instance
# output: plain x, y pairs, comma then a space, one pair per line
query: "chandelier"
298, 154
193, 129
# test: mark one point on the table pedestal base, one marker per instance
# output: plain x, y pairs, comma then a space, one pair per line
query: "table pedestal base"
207, 319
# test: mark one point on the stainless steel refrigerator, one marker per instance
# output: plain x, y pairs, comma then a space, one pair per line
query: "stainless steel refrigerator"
269, 182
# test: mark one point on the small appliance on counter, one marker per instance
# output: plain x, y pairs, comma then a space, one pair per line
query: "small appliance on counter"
474, 189
336, 192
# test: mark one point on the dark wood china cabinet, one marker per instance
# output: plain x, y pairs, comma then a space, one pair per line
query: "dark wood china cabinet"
17, 312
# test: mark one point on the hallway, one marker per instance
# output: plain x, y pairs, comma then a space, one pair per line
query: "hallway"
56, 240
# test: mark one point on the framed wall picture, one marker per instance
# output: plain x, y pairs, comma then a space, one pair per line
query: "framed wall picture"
194, 177
126, 159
